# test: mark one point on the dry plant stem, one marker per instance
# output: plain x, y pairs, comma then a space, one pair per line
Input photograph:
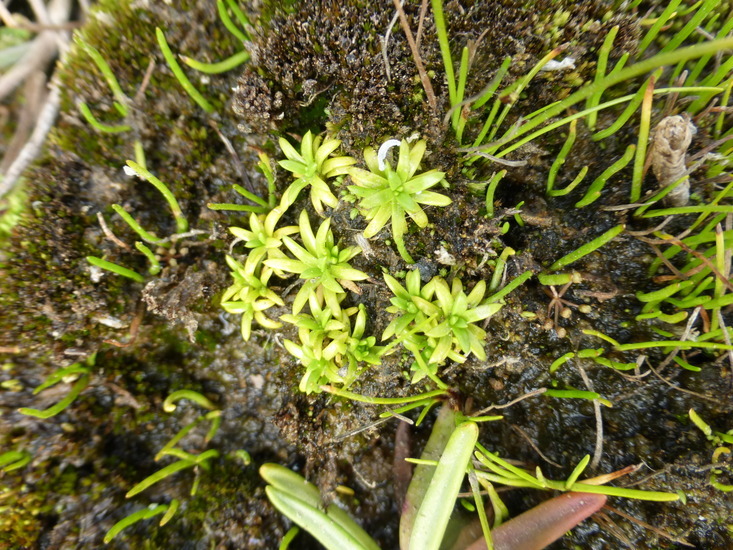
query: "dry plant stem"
598, 450
607, 524
421, 21
533, 393
685, 335
645, 525
429, 93
385, 42
674, 240
43, 49
534, 446
109, 234
33, 147
683, 390
34, 93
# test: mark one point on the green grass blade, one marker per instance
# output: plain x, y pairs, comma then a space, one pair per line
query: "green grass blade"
116, 268
180, 75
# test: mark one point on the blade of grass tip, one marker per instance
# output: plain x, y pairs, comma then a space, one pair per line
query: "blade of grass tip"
442, 31
494, 84
601, 65
499, 268
154, 268
437, 505
490, 190
694, 22
653, 31
512, 92
248, 195
579, 469
458, 121
228, 23
640, 158
587, 248
134, 168
160, 474
180, 75
100, 126
238, 13
145, 513
74, 392
594, 191
643, 67
509, 287
107, 73
218, 67
115, 268
139, 153
169, 405
137, 228
235, 207
172, 509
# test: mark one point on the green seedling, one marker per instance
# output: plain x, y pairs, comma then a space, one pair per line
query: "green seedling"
490, 190
499, 471
313, 165
234, 60
146, 513
262, 206
587, 248
330, 349
391, 194
115, 268
134, 168
263, 239
320, 263
121, 103
77, 373
250, 296
524, 134
186, 460
14, 460
719, 440
170, 59
560, 160
594, 191
169, 405
155, 266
